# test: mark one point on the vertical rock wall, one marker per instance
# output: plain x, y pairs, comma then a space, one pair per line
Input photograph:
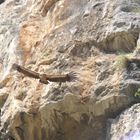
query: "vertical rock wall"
59, 36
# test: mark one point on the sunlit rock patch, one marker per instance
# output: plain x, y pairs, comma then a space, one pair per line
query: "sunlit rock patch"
134, 135
59, 36
126, 126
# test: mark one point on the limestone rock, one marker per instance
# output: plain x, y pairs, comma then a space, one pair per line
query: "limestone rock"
59, 36
126, 126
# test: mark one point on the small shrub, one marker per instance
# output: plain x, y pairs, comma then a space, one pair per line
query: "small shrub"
136, 10
137, 94
122, 62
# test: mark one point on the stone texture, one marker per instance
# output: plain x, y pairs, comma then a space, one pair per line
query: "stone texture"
59, 36
126, 126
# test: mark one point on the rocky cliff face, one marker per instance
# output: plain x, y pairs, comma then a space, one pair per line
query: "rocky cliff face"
97, 39
127, 124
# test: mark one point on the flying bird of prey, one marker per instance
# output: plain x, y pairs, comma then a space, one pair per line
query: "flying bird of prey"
44, 78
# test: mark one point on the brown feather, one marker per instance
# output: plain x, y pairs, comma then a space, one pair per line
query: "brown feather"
25, 71
61, 78
44, 78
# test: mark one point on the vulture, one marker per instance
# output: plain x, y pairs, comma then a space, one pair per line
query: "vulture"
44, 78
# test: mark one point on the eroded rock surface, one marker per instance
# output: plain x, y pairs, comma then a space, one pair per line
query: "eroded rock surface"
59, 36
126, 126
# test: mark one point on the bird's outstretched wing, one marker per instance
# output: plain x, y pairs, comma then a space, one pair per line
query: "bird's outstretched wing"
59, 78
26, 71
44, 78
